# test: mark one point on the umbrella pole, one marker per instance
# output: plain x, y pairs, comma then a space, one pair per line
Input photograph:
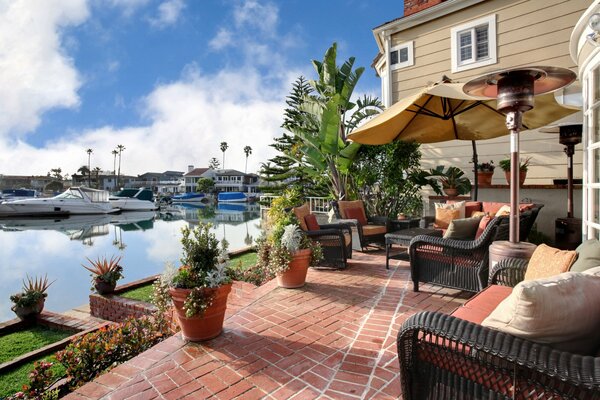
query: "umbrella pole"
475, 180
513, 123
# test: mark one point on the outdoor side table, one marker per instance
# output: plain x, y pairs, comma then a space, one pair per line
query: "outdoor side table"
403, 238
399, 224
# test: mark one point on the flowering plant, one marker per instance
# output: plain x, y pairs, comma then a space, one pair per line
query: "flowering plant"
204, 267
486, 166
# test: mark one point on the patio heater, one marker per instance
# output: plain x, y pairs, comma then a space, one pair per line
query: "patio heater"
514, 90
567, 230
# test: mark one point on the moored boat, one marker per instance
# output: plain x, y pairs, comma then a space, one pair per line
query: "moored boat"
75, 200
232, 197
17, 194
190, 197
134, 200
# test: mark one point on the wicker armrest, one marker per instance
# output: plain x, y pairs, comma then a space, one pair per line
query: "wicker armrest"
342, 226
487, 351
324, 232
424, 240
508, 272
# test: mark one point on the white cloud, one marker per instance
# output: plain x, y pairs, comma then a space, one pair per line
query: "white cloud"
36, 75
129, 7
169, 12
224, 38
251, 13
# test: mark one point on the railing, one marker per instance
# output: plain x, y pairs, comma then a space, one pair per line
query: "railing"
318, 205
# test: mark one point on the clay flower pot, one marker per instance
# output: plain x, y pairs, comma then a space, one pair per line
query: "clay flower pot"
522, 176
484, 178
451, 192
29, 311
103, 287
295, 275
210, 324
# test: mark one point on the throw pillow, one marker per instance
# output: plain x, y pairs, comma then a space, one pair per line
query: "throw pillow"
459, 205
300, 213
504, 210
547, 261
559, 311
311, 222
478, 214
357, 214
588, 256
483, 223
462, 229
443, 217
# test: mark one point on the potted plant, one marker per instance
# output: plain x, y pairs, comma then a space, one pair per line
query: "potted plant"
199, 288
453, 180
30, 302
523, 167
485, 171
105, 274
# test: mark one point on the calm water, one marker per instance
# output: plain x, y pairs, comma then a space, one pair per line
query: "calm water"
145, 240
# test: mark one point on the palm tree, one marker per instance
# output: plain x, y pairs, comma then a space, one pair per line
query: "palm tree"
224, 147
213, 163
247, 151
114, 153
89, 152
120, 149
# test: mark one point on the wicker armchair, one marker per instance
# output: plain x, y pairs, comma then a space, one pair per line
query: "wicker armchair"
444, 357
370, 229
335, 239
458, 264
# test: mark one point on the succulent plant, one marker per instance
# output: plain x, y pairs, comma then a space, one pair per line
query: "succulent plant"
292, 238
109, 271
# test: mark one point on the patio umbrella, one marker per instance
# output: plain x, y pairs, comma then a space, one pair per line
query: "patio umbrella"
443, 112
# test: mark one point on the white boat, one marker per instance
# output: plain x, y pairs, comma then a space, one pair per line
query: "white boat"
17, 194
133, 200
75, 200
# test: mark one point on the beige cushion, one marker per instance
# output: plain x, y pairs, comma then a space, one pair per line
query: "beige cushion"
478, 214
369, 230
443, 217
462, 229
547, 261
588, 256
459, 205
561, 310
300, 213
504, 210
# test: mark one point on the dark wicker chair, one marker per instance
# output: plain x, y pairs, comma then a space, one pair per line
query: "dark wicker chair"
335, 239
444, 357
371, 233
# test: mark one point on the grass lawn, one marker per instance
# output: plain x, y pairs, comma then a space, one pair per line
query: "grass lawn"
18, 343
244, 261
13, 381
142, 293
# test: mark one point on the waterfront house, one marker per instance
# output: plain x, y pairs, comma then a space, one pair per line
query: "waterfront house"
463, 39
168, 182
191, 177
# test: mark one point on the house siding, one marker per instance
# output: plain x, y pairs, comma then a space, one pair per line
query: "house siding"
529, 32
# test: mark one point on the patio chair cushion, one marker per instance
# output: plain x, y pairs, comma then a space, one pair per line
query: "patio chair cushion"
471, 207
483, 223
311, 222
459, 205
560, 310
547, 261
300, 213
504, 210
369, 230
482, 304
357, 214
443, 217
588, 256
462, 229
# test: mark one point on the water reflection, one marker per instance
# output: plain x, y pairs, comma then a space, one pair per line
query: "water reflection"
145, 240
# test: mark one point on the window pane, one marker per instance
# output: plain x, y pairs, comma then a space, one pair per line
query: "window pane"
482, 50
594, 128
596, 82
394, 57
464, 38
465, 53
481, 33
404, 54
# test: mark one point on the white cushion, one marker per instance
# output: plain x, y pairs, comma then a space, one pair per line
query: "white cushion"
563, 311
459, 205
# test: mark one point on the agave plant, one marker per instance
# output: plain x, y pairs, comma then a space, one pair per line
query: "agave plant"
105, 270
34, 291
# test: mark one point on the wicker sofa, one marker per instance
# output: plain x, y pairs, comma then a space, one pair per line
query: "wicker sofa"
455, 357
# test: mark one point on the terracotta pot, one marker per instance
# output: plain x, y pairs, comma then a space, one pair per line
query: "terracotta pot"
451, 192
210, 324
295, 276
484, 178
104, 287
522, 176
30, 311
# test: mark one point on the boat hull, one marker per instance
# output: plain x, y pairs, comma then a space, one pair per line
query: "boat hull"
189, 198
130, 204
232, 197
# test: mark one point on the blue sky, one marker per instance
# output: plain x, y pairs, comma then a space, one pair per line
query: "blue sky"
169, 79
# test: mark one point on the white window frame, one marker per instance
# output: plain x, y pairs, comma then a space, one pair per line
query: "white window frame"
409, 62
492, 58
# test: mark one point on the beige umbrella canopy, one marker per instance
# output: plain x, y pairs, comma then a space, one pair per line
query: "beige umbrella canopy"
443, 112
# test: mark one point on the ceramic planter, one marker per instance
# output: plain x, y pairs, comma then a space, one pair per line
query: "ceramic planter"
104, 287
522, 176
295, 276
484, 178
29, 311
210, 324
451, 192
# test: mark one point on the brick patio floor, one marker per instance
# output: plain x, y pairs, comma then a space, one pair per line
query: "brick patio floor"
333, 338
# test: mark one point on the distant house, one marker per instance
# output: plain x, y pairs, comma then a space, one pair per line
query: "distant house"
37, 182
191, 177
231, 180
168, 182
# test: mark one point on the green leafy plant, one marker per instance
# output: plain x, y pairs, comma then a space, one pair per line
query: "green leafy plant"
524, 164
452, 178
205, 267
105, 270
40, 379
486, 166
33, 291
